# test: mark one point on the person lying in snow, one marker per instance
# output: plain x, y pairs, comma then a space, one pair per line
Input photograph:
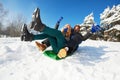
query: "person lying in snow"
63, 42
45, 43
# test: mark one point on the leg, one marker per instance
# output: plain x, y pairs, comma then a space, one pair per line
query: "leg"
53, 43
46, 42
39, 26
56, 35
60, 41
40, 46
52, 40
40, 36
25, 35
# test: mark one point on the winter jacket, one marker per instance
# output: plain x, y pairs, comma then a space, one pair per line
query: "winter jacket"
75, 39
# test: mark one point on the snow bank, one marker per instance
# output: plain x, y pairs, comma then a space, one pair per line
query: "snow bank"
94, 60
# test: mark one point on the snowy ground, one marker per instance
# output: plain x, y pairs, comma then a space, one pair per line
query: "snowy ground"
94, 60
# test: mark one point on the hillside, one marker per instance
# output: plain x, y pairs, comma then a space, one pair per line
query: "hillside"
94, 60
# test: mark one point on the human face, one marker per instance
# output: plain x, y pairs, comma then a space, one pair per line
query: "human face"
77, 29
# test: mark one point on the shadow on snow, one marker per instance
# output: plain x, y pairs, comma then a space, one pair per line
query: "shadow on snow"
88, 55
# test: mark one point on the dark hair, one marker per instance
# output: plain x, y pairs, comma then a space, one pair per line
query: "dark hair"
77, 26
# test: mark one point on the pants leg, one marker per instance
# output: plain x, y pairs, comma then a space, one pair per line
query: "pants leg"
53, 43
56, 38
46, 42
40, 36
57, 35
52, 40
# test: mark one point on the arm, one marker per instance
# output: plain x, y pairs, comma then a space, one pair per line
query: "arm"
89, 33
86, 36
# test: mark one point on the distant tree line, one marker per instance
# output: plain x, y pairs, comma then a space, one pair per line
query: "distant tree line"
12, 27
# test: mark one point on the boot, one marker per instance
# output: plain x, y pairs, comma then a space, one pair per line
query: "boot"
36, 23
40, 46
32, 24
26, 36
63, 52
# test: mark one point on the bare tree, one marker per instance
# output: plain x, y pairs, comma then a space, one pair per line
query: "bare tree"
0, 28
14, 26
3, 12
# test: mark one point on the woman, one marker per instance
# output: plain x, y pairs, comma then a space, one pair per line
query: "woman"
62, 45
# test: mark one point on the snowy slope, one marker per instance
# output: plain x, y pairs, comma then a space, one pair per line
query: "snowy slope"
94, 60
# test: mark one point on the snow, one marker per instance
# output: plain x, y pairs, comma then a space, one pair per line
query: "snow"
110, 15
94, 60
115, 27
89, 20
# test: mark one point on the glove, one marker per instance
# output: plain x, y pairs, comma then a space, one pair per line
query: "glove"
95, 28
65, 30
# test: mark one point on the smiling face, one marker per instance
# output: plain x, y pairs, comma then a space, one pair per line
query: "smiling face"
77, 28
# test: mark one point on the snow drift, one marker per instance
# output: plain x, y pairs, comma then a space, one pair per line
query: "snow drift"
94, 60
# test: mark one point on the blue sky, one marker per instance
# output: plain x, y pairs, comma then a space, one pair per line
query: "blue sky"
73, 11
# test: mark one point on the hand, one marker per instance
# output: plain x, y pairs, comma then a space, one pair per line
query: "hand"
65, 30
95, 28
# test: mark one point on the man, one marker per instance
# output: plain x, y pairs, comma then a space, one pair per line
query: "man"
61, 46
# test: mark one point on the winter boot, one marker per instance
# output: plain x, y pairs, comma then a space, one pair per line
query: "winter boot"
40, 46
26, 36
63, 52
36, 23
